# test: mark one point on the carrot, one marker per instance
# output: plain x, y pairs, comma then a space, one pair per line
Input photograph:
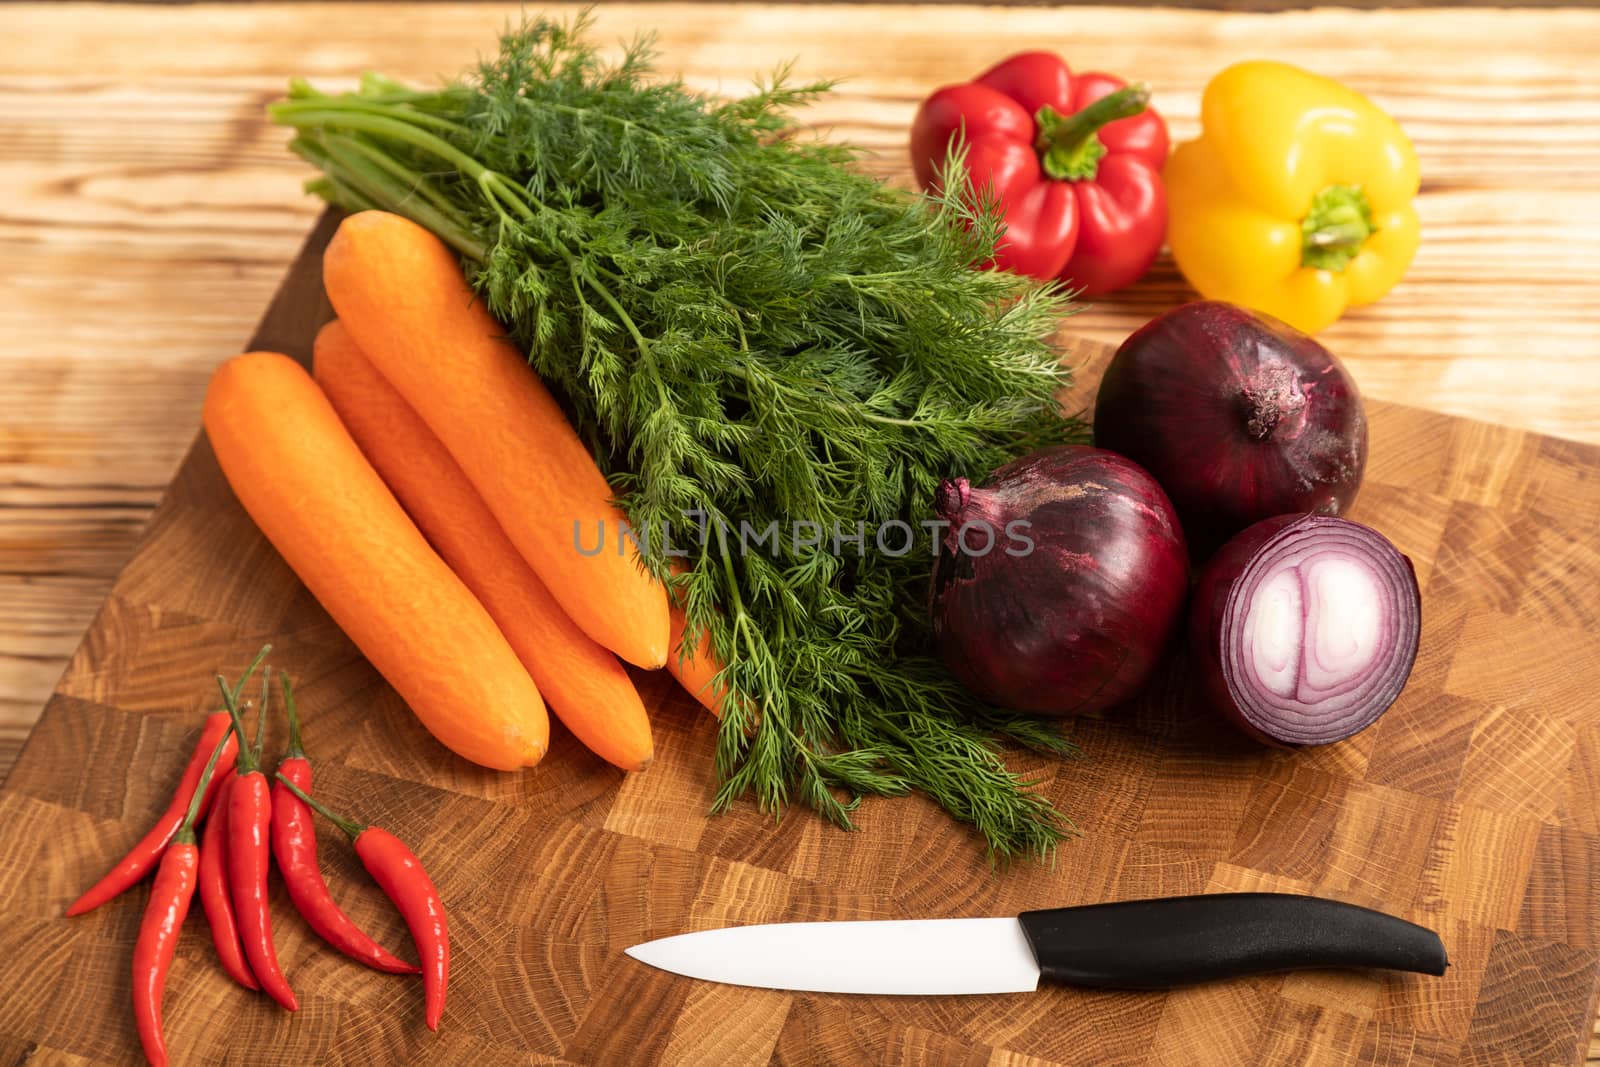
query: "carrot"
403, 297
583, 683
295, 469
696, 669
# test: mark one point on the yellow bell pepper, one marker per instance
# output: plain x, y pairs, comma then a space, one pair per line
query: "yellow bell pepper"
1296, 198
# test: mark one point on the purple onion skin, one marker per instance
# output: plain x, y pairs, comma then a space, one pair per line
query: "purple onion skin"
1077, 624
1239, 416
1208, 639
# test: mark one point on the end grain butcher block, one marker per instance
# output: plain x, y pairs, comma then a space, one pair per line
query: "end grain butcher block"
1470, 808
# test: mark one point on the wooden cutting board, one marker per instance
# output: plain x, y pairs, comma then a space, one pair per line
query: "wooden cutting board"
1471, 808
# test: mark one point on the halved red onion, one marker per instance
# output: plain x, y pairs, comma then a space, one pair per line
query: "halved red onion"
1305, 628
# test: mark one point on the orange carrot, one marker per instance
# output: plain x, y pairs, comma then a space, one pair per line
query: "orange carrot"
695, 669
306, 484
584, 684
403, 297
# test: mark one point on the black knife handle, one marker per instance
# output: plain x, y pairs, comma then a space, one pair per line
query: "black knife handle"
1154, 944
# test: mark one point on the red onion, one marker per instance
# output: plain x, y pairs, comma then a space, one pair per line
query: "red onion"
1239, 416
1304, 628
1081, 591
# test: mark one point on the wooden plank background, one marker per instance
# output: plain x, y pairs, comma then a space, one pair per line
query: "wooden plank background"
147, 211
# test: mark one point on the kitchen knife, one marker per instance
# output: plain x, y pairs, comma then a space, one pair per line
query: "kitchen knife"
1137, 944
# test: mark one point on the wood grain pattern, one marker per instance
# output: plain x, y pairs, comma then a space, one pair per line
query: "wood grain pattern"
1471, 813
149, 211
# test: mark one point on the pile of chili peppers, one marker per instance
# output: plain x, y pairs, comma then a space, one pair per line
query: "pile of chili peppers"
249, 821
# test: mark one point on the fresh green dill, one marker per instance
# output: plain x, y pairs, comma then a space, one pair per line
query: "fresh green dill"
746, 328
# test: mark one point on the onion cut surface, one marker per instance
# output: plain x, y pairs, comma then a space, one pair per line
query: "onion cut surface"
1306, 627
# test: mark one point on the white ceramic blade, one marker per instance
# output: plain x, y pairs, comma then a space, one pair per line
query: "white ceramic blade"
900, 957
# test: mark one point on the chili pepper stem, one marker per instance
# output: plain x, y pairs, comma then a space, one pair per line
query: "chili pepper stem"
246, 762
248, 671
185, 834
295, 750
261, 717
1068, 147
352, 828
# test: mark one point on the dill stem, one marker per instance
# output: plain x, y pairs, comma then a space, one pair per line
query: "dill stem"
352, 154
314, 110
378, 188
627, 320
382, 88
853, 410
343, 144
381, 121
335, 190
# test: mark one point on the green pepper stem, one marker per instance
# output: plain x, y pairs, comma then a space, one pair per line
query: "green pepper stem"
238, 690
261, 716
230, 700
1335, 229
349, 826
295, 751
245, 764
189, 816
1068, 147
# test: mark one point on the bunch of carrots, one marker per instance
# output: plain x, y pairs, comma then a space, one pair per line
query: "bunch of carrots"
425, 487
249, 821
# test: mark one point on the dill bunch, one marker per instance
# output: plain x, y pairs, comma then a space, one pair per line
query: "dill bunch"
748, 331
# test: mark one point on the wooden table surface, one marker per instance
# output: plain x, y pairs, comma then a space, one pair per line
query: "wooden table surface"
147, 211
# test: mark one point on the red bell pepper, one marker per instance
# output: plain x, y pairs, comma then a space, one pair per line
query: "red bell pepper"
1074, 162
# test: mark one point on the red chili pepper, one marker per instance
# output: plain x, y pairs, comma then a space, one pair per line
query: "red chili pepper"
214, 894
145, 855
400, 874
158, 940
162, 924
294, 846
249, 858
403, 879
1073, 160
